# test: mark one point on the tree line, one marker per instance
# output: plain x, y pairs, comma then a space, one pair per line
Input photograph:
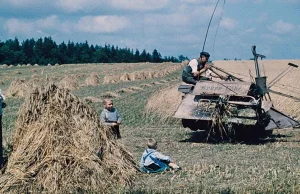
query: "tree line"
45, 50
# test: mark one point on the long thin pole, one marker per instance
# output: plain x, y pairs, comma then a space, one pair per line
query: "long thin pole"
209, 25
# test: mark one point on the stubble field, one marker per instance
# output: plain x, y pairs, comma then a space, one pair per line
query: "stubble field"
146, 96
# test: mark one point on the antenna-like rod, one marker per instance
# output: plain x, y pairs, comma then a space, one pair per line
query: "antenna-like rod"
209, 25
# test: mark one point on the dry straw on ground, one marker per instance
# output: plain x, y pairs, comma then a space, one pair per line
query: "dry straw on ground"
110, 95
92, 99
164, 102
60, 146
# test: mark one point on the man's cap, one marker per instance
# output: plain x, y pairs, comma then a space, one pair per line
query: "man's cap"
206, 54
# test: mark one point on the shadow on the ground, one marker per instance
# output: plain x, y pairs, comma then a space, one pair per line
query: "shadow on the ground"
201, 137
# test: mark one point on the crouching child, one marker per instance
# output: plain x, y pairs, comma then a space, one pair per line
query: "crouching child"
152, 161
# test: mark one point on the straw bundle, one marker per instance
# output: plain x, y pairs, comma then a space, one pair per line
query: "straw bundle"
69, 82
60, 146
124, 77
132, 76
19, 88
92, 80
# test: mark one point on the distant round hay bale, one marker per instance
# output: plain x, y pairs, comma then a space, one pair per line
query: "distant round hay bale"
36, 65
164, 102
92, 80
60, 146
49, 64
28, 65
19, 65
56, 64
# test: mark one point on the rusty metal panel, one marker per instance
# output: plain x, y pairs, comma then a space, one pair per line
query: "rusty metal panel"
222, 88
188, 109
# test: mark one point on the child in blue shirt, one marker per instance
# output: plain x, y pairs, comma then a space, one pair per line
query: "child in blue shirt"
152, 161
111, 117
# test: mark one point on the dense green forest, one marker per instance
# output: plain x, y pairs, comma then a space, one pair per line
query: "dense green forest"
45, 50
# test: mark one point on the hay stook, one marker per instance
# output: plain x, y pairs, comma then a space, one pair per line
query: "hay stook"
60, 146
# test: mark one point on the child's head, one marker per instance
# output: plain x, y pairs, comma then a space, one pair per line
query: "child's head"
152, 143
108, 103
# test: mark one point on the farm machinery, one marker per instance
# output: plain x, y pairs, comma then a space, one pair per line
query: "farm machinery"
233, 108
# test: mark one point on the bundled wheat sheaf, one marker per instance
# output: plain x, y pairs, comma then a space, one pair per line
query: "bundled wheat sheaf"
60, 146
19, 88
69, 82
92, 80
142, 75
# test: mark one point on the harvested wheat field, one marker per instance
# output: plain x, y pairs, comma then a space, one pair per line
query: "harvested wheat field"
60, 146
57, 137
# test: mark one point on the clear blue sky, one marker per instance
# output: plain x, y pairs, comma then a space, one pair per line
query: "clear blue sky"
173, 27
